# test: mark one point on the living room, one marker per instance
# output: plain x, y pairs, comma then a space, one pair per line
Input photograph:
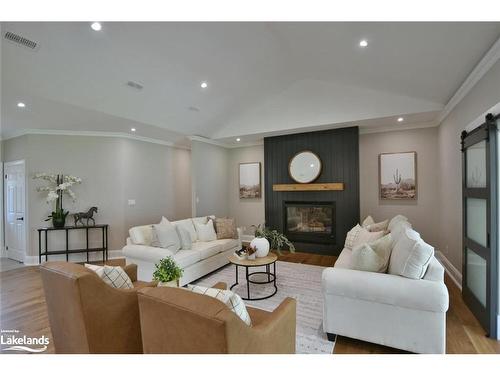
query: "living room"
249, 187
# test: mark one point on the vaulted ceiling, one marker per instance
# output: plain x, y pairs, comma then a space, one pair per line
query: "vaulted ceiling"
263, 78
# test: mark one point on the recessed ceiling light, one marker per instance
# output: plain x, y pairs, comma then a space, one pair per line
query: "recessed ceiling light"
96, 26
204, 85
238, 139
132, 130
363, 43
400, 119
21, 105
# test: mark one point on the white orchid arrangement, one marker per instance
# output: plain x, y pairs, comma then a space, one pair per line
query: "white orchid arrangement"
58, 185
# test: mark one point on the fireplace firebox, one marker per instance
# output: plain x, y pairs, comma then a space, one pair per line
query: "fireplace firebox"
309, 221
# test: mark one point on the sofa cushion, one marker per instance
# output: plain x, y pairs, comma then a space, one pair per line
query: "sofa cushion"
189, 226
227, 244
410, 255
148, 253
395, 220
206, 232
185, 258
207, 249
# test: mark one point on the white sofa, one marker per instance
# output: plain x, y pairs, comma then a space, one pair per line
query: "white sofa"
386, 309
201, 259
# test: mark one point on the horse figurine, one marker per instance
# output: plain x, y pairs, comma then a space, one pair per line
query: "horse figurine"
85, 215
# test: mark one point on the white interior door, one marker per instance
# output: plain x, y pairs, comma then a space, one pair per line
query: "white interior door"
15, 235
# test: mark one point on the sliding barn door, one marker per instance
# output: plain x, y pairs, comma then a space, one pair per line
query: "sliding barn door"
480, 226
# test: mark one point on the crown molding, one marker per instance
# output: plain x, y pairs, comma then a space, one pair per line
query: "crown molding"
215, 142
488, 60
393, 128
94, 134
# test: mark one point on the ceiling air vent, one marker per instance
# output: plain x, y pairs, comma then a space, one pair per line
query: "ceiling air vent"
21, 41
135, 85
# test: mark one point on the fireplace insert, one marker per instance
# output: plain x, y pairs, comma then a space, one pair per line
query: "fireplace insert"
309, 221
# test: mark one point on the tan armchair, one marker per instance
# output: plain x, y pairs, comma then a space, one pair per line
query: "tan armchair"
176, 320
87, 315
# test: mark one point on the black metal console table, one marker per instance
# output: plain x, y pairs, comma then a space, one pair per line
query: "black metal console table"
46, 252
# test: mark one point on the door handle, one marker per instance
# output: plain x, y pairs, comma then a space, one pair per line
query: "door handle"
20, 218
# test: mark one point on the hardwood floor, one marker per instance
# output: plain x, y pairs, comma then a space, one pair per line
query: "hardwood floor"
22, 307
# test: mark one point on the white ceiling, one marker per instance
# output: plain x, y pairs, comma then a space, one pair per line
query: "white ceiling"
264, 78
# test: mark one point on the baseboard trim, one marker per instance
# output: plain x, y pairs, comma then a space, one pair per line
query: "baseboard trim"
454, 274
3, 252
112, 254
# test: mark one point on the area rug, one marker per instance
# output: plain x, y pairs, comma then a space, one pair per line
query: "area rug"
299, 281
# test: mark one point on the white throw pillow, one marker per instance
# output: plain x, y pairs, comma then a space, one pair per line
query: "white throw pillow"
113, 276
383, 248
351, 236
165, 236
364, 258
377, 227
369, 220
187, 224
359, 235
393, 222
143, 234
206, 232
410, 255
184, 237
200, 220
231, 299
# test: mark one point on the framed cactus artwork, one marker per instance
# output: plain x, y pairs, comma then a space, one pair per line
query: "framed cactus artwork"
398, 175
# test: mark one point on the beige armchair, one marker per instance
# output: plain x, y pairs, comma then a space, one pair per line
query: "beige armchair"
176, 320
87, 315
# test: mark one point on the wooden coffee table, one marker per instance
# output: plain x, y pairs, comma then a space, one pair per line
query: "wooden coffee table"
266, 262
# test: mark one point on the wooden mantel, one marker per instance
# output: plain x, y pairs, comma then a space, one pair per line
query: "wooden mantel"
338, 186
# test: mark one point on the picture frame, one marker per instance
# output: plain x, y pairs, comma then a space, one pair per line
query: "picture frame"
398, 175
250, 186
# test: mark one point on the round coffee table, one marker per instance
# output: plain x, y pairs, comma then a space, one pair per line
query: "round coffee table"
266, 261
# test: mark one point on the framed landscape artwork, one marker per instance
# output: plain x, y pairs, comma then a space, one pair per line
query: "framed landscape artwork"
250, 180
398, 175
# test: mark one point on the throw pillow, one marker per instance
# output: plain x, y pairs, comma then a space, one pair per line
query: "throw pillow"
206, 232
351, 236
113, 276
200, 220
166, 237
410, 255
365, 236
395, 220
364, 258
383, 248
189, 226
184, 237
368, 221
225, 228
377, 227
231, 299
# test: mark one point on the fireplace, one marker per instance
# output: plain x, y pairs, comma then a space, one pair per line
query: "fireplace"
309, 221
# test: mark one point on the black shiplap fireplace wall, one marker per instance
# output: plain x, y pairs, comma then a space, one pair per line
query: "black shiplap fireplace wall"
338, 150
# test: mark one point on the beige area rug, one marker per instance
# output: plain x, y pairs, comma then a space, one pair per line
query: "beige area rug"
299, 281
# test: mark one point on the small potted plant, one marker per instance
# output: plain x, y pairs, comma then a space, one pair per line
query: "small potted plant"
167, 272
276, 239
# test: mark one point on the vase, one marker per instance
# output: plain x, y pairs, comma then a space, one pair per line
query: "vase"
261, 244
59, 219
172, 283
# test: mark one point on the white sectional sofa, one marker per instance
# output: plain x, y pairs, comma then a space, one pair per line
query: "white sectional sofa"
201, 259
386, 309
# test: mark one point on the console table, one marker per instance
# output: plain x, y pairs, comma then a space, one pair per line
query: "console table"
46, 252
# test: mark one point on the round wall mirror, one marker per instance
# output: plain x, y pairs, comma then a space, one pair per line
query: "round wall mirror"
305, 167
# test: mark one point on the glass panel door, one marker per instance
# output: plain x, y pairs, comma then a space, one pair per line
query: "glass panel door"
479, 285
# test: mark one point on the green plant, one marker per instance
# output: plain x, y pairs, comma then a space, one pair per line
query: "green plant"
276, 239
167, 270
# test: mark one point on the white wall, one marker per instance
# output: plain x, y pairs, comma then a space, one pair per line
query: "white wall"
422, 211
484, 95
210, 179
247, 212
113, 170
